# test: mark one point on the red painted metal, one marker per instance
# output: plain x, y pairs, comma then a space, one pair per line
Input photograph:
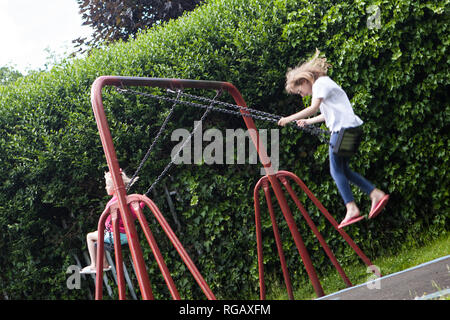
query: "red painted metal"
300, 246
119, 188
276, 233
271, 177
282, 176
259, 247
100, 252
316, 232
179, 247
155, 249
330, 218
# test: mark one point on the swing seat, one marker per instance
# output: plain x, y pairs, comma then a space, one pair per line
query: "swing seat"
348, 141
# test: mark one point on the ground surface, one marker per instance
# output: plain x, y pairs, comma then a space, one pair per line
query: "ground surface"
428, 280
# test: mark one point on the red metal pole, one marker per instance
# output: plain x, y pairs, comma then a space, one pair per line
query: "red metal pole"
154, 246
259, 247
315, 230
328, 216
276, 233
120, 192
179, 247
118, 254
100, 253
301, 247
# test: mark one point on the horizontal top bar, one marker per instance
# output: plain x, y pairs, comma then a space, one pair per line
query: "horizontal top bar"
163, 82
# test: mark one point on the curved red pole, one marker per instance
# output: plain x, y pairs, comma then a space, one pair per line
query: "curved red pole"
330, 218
179, 247
314, 229
119, 188
259, 248
301, 248
100, 253
276, 233
135, 202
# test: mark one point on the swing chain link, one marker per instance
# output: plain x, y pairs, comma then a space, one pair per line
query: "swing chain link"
257, 114
163, 173
161, 130
322, 134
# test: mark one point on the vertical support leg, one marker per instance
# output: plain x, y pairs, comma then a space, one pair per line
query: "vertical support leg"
316, 231
179, 247
118, 255
300, 245
100, 253
156, 252
259, 247
276, 233
330, 218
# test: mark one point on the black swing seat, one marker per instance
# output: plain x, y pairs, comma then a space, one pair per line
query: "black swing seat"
348, 141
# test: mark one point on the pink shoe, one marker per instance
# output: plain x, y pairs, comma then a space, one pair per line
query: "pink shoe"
379, 206
350, 221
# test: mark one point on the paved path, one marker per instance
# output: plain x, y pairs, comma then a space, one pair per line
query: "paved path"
422, 280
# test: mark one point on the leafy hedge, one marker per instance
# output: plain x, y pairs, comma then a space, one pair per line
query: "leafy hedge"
52, 160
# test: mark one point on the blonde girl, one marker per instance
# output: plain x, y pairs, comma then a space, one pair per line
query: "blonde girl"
328, 98
92, 237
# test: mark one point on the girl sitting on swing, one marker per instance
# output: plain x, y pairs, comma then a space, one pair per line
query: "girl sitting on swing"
310, 79
92, 237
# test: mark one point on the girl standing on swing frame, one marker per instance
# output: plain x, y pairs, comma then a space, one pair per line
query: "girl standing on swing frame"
310, 79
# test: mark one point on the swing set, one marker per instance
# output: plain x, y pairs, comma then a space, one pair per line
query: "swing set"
271, 179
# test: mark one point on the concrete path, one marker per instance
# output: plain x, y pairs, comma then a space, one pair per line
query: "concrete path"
428, 280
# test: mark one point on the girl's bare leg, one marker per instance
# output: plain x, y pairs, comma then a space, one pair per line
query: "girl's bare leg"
91, 239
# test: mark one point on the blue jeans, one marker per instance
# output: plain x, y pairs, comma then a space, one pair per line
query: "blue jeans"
342, 175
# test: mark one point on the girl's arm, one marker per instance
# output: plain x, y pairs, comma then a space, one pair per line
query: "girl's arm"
305, 122
315, 104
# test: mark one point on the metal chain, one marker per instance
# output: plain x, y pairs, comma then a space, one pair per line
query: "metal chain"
228, 105
261, 115
248, 112
252, 113
161, 129
209, 108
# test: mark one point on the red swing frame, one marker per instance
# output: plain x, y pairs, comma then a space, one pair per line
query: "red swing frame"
124, 201
122, 206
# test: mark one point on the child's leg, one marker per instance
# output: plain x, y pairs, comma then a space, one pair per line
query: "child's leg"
341, 180
375, 194
358, 179
337, 170
92, 238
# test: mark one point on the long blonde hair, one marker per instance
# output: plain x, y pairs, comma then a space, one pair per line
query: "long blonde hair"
125, 178
310, 70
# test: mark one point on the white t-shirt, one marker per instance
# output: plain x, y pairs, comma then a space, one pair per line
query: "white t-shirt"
335, 106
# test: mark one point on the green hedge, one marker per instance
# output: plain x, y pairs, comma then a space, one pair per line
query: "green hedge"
52, 161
